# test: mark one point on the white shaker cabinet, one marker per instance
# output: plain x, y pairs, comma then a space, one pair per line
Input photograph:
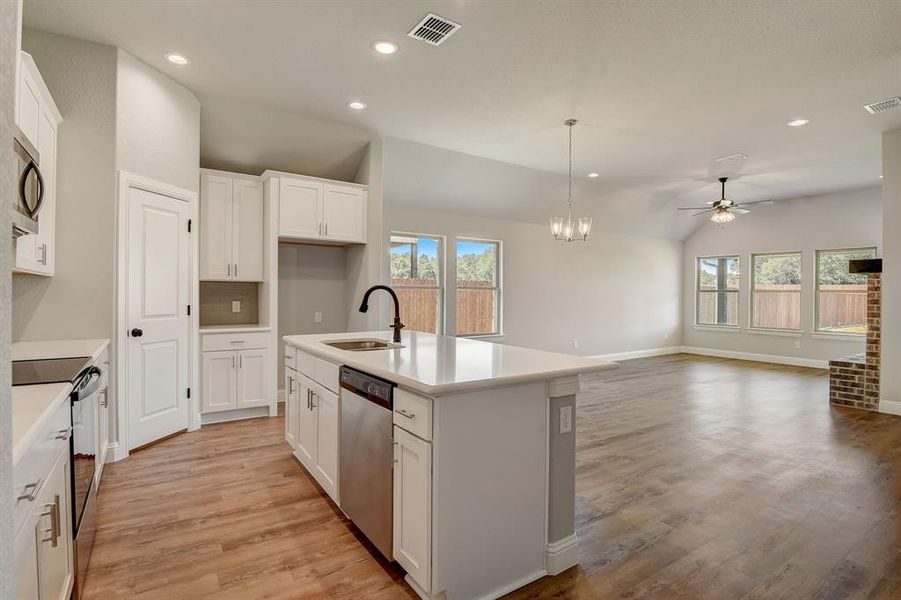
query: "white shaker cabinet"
234, 379
38, 118
344, 213
300, 208
412, 506
231, 227
291, 396
326, 407
307, 424
318, 210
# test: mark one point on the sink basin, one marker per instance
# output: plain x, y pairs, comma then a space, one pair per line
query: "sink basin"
362, 345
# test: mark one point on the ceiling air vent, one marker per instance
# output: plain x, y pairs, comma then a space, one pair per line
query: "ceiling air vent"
883, 105
434, 29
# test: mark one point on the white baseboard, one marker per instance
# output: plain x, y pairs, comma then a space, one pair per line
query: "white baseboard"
892, 407
561, 555
115, 452
638, 353
766, 358
234, 415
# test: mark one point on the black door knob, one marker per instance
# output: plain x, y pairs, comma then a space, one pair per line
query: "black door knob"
137, 332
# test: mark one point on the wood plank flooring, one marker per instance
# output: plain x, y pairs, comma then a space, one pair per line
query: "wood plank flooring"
697, 478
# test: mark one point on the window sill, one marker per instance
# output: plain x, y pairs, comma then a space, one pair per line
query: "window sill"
776, 332
835, 336
718, 328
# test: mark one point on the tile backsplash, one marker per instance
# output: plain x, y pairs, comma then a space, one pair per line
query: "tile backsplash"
216, 299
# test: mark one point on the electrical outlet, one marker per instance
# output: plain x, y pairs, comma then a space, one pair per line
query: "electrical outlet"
666, 335
575, 344
317, 317
797, 345
236, 306
566, 419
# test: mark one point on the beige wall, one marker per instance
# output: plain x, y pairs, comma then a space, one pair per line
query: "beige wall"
77, 302
891, 277
612, 294
848, 219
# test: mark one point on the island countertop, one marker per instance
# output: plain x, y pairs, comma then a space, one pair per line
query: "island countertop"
436, 365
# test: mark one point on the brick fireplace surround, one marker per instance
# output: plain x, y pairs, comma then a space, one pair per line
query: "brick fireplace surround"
854, 380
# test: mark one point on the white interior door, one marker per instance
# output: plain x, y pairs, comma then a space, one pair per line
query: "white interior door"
158, 269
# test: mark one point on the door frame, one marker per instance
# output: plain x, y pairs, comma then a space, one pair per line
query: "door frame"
128, 180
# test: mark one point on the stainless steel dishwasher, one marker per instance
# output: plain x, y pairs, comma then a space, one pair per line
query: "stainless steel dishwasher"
367, 455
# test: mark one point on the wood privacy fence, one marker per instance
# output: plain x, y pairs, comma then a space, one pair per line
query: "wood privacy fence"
779, 306
419, 306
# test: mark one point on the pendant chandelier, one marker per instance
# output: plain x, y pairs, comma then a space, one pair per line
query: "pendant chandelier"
565, 229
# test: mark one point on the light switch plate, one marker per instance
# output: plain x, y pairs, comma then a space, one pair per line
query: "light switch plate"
566, 419
317, 317
236, 306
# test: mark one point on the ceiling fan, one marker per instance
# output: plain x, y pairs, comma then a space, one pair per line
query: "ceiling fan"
723, 210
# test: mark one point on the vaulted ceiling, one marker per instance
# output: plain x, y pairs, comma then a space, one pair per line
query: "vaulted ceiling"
661, 89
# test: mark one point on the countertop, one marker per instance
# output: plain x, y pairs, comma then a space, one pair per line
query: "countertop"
437, 364
233, 328
31, 406
59, 349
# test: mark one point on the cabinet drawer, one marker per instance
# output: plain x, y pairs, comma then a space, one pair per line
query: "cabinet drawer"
326, 374
291, 357
413, 413
30, 473
234, 341
306, 364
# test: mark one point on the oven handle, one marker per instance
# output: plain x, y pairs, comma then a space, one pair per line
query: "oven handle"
23, 182
91, 388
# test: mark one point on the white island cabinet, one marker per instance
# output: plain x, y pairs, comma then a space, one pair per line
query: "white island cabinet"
484, 453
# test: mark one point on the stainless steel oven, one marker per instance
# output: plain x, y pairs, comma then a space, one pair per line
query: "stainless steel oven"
29, 195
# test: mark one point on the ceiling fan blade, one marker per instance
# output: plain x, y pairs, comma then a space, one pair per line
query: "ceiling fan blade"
693, 208
756, 202
739, 211
703, 212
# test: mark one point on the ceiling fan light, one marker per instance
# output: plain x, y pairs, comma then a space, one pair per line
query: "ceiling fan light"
722, 217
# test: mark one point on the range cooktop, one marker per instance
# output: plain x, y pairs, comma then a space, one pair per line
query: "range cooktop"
53, 370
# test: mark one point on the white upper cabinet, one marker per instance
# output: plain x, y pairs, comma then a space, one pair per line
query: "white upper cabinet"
344, 217
231, 227
317, 210
39, 119
300, 208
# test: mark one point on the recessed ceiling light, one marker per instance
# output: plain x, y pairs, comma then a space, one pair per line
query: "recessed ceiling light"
385, 47
177, 59
798, 122
356, 105
880, 177
592, 175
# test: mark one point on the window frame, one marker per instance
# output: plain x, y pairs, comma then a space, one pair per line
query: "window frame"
498, 287
698, 291
816, 290
753, 291
441, 281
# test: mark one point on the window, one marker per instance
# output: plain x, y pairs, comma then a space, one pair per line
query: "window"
841, 296
776, 291
717, 302
417, 263
478, 287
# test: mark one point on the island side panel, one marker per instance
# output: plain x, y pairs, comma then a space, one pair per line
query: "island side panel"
489, 490
562, 551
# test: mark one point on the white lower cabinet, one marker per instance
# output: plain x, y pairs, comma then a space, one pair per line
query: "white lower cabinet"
291, 395
43, 546
307, 424
234, 379
326, 406
413, 506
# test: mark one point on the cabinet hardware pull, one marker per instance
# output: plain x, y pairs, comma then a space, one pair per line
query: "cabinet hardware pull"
63, 434
236, 269
233, 361
30, 491
105, 402
326, 228
236, 342
313, 395
43, 260
240, 361
228, 270
404, 413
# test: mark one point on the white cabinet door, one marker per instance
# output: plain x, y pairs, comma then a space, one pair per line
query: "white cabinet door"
344, 214
102, 411
28, 104
291, 392
26, 552
215, 227
413, 506
326, 404
307, 424
253, 368
300, 208
219, 380
247, 236
55, 533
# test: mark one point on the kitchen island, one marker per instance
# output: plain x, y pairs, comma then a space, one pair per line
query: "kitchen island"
483, 451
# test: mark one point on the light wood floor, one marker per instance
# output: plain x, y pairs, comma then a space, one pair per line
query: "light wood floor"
697, 478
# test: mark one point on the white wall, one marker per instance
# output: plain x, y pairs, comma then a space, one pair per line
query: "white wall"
77, 302
891, 274
848, 219
157, 125
310, 279
612, 294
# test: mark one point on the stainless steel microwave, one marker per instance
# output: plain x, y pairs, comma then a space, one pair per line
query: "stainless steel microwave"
29, 189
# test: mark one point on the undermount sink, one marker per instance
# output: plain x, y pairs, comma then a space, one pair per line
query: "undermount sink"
362, 345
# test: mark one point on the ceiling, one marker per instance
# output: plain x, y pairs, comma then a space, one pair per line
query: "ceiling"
661, 89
